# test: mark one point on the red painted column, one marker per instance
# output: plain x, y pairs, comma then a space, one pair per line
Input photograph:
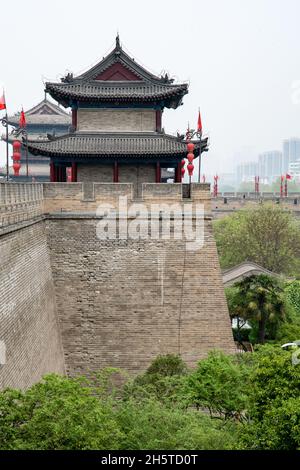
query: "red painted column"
158, 120
158, 172
74, 172
74, 118
60, 174
116, 172
52, 172
178, 173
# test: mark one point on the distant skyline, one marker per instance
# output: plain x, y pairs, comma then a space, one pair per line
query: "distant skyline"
240, 57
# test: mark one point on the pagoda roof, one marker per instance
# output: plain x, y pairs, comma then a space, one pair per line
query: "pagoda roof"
44, 113
117, 77
114, 145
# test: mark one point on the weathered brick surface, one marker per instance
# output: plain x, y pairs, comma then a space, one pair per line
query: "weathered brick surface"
95, 173
119, 302
116, 120
122, 302
20, 202
137, 175
28, 317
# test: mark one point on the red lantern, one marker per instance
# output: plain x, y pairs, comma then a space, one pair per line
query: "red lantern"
16, 156
182, 171
183, 162
16, 145
190, 168
190, 147
16, 167
190, 157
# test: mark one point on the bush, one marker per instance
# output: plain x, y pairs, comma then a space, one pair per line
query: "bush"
57, 413
163, 380
167, 365
149, 425
220, 383
279, 430
274, 404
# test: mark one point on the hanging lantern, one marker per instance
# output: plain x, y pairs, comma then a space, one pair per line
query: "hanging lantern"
183, 162
16, 145
182, 172
190, 157
16, 167
16, 157
190, 147
190, 168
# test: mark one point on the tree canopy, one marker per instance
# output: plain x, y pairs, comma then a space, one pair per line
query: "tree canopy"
267, 235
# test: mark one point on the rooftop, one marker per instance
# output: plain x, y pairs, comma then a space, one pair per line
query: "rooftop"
112, 145
44, 113
117, 77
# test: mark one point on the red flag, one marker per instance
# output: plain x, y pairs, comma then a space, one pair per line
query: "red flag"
2, 101
22, 121
199, 126
288, 177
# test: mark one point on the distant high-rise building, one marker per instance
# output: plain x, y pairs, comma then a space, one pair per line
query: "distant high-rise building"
291, 152
270, 166
294, 170
246, 172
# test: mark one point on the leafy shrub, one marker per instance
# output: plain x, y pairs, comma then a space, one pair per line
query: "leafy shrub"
292, 292
274, 379
279, 429
167, 365
57, 413
164, 380
220, 384
149, 425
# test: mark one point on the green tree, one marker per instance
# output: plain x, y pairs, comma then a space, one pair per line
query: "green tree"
147, 424
274, 404
57, 413
267, 235
220, 384
259, 300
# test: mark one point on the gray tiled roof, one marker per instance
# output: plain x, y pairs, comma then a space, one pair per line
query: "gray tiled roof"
97, 145
144, 87
44, 113
107, 91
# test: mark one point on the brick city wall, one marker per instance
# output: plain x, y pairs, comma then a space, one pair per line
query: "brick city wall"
228, 203
118, 120
122, 302
20, 202
28, 318
119, 302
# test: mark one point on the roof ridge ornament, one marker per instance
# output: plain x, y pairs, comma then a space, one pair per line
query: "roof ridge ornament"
118, 45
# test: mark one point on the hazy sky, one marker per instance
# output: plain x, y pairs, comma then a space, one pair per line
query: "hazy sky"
241, 57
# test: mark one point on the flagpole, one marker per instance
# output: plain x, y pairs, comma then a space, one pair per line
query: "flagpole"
199, 180
26, 156
7, 157
199, 132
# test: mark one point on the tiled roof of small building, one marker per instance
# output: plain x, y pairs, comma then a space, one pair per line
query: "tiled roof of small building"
117, 77
98, 145
44, 113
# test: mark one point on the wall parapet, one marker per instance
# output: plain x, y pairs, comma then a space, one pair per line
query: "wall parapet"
20, 202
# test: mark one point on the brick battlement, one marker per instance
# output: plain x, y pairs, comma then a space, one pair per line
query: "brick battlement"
20, 202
